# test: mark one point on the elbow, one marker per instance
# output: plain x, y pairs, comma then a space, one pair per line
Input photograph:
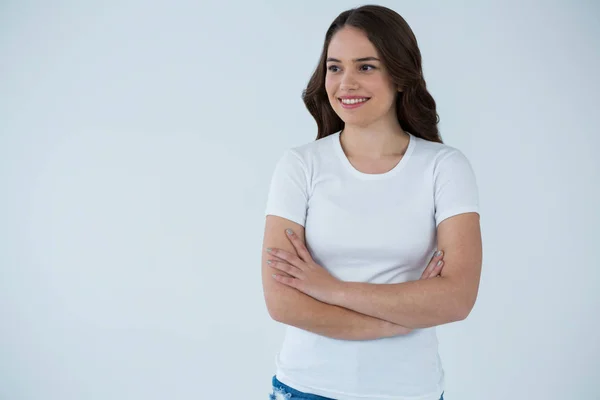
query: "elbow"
275, 310
275, 314
465, 309
461, 315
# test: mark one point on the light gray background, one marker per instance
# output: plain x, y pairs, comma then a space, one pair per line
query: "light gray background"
137, 142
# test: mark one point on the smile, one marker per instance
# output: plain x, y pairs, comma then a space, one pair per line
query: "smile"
353, 103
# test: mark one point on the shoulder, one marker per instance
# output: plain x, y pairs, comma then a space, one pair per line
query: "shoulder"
439, 157
309, 155
436, 152
315, 148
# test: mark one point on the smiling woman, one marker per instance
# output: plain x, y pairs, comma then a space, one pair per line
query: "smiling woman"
372, 230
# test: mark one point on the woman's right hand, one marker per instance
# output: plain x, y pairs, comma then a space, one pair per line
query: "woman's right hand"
433, 270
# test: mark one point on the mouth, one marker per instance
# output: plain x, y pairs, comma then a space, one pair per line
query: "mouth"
349, 103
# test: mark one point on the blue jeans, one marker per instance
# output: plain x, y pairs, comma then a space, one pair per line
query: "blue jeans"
289, 393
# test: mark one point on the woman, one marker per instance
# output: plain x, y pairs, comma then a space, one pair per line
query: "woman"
354, 218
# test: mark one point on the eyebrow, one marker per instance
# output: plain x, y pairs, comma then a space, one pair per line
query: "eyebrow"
355, 60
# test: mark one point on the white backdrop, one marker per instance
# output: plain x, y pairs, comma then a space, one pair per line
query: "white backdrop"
137, 141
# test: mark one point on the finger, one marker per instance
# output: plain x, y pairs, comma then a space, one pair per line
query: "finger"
268, 262
286, 280
278, 271
284, 255
437, 270
298, 245
287, 268
432, 264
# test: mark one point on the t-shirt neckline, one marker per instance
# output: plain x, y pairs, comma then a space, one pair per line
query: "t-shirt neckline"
362, 175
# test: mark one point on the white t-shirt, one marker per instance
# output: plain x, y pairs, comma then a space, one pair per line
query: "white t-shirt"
376, 228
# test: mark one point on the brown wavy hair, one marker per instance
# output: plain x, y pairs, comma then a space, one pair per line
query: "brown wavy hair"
399, 52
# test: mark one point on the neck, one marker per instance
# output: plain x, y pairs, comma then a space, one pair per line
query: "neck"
372, 142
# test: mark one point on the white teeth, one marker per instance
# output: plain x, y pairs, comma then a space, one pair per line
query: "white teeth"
353, 101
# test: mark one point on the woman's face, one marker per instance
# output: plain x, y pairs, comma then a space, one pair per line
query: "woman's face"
353, 69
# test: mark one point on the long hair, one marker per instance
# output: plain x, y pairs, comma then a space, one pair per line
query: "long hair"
399, 52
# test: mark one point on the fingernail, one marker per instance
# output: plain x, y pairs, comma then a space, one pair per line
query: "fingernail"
439, 263
269, 250
289, 231
438, 253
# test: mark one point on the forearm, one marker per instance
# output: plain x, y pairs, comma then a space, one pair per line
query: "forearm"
414, 304
302, 311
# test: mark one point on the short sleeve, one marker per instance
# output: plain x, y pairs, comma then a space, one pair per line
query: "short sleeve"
455, 186
288, 191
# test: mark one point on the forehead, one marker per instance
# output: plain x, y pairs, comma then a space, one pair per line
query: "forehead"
349, 43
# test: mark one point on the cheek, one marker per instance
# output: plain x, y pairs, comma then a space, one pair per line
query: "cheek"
331, 91
329, 87
385, 94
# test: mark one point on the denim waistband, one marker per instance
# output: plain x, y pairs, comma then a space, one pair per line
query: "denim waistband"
285, 389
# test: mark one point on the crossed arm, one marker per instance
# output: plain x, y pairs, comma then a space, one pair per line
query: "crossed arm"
367, 311
428, 302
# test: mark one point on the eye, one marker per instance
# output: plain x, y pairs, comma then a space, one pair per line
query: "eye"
362, 67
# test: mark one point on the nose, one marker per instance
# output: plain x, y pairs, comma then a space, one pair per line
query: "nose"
348, 82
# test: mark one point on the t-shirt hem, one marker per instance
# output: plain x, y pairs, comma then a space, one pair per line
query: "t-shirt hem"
456, 211
294, 218
350, 396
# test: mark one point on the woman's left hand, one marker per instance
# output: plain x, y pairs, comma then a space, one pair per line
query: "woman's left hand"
305, 274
